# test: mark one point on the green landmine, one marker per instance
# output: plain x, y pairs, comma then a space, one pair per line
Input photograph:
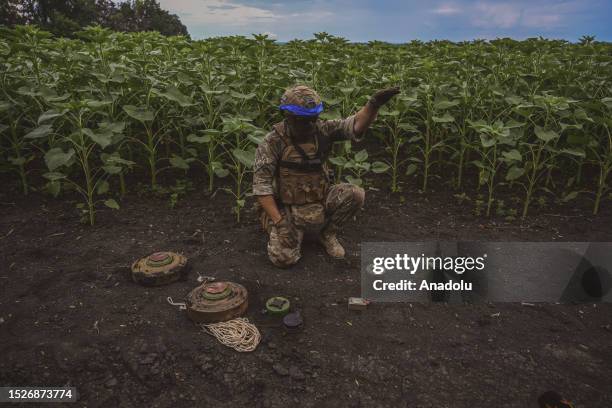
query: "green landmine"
214, 302
278, 306
159, 268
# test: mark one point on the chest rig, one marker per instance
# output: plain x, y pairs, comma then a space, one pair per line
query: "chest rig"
302, 174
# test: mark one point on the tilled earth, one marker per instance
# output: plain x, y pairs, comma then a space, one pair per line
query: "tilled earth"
70, 315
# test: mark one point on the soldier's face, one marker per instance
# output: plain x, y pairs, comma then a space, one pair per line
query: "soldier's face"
302, 126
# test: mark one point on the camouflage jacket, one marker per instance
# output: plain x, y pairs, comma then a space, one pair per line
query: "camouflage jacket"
269, 152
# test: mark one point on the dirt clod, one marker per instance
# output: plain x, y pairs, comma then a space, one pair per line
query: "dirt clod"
280, 370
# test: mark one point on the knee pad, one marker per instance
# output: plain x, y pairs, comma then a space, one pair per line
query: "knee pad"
283, 259
283, 262
358, 195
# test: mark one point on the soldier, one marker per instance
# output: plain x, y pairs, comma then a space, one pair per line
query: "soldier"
291, 179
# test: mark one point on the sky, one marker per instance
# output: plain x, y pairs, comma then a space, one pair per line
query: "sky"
395, 20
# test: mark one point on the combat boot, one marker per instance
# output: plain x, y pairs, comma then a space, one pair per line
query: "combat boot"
328, 239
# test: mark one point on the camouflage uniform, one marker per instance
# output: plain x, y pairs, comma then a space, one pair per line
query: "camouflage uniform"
341, 203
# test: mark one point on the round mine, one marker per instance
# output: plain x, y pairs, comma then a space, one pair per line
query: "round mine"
278, 306
159, 268
217, 302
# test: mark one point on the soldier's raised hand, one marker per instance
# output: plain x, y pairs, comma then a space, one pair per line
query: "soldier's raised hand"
383, 96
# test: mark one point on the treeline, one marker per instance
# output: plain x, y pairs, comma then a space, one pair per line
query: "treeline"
65, 17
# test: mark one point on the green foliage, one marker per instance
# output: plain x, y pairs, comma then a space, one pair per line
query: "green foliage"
530, 117
357, 166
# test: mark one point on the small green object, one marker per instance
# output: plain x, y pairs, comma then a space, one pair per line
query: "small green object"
278, 306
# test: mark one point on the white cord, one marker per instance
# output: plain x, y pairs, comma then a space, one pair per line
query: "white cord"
238, 334
181, 305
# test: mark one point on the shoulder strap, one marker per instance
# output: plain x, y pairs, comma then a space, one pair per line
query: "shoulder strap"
324, 144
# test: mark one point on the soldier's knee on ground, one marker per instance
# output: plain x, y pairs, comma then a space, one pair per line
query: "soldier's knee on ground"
351, 194
283, 258
358, 196
280, 250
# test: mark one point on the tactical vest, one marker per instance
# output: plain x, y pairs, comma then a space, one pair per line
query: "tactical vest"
302, 174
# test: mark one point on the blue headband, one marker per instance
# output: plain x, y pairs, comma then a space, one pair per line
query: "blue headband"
301, 111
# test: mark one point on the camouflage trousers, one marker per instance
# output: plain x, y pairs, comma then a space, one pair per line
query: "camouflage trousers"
341, 203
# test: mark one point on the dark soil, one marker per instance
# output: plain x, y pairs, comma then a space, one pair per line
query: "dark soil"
70, 315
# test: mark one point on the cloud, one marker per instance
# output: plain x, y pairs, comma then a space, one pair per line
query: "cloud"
395, 20
219, 12
313, 15
271, 35
537, 14
205, 18
542, 20
447, 10
531, 14
501, 15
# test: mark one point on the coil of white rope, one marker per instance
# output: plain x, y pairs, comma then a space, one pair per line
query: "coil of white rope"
237, 333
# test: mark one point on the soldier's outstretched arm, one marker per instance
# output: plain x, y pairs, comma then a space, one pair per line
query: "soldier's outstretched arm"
367, 114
